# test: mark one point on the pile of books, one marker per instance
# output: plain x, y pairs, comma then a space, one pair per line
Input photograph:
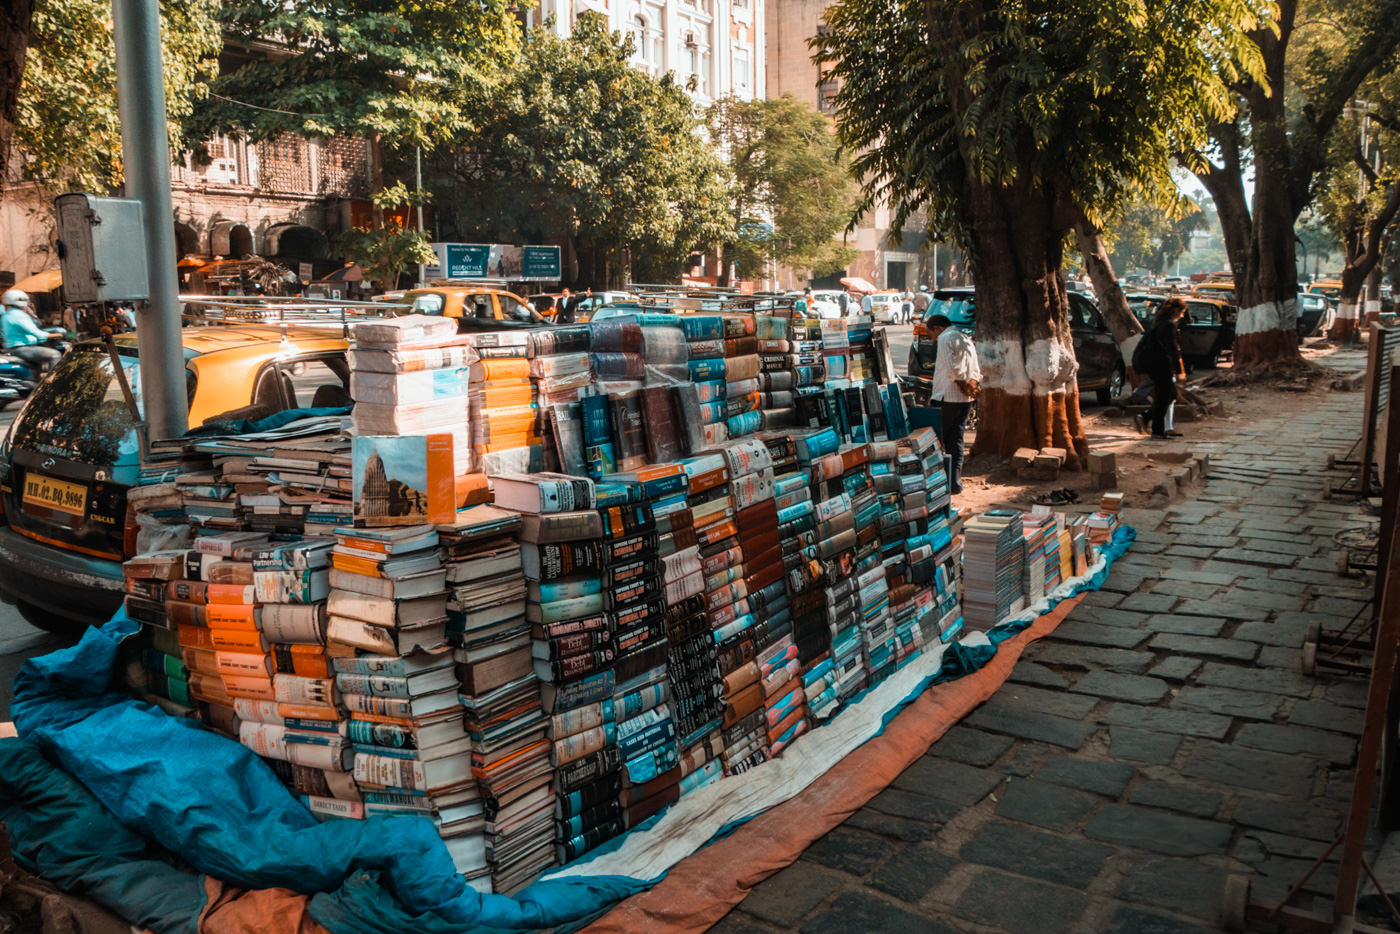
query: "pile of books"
561, 368
994, 557
500, 692
573, 649
410, 376
504, 413
704, 336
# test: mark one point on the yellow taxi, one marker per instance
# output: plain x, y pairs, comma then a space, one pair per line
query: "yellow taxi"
1330, 289
1220, 289
72, 453
476, 307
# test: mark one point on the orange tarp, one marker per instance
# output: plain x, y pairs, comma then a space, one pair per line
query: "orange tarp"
701, 889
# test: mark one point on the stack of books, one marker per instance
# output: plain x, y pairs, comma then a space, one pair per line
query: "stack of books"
573, 649
504, 411
859, 328
490, 635
1037, 528
836, 348
561, 368
409, 376
704, 336
776, 384
157, 672
742, 367
994, 557
693, 670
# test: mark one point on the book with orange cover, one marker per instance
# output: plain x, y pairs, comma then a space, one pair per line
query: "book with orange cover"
501, 369
403, 480
248, 641
308, 661
249, 686
194, 637
231, 616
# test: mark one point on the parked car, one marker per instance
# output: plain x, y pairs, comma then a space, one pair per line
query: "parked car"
1330, 289
1101, 368
1207, 330
1313, 313
71, 454
1221, 289
475, 308
884, 306
589, 302
829, 303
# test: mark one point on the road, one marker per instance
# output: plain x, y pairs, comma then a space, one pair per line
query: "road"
19, 640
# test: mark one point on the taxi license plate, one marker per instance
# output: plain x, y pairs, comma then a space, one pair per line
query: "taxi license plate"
55, 494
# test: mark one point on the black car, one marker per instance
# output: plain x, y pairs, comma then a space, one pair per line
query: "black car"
1100, 362
1207, 331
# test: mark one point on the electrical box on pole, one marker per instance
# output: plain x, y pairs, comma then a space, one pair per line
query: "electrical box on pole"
101, 249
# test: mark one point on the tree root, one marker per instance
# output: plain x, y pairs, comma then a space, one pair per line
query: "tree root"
1295, 372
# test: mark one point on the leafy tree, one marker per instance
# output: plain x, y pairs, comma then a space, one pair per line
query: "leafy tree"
1010, 122
1315, 56
1150, 238
791, 190
386, 248
68, 129
576, 145
397, 70
15, 23
1360, 196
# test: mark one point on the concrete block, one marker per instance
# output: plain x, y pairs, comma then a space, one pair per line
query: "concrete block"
1203, 464
1061, 453
1048, 461
1169, 457
1024, 457
1182, 478
1105, 481
1105, 462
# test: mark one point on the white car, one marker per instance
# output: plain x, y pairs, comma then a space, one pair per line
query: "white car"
827, 303
885, 307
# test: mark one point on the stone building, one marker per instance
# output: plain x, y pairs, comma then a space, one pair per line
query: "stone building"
905, 264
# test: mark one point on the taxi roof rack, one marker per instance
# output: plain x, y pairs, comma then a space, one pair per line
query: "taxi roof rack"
213, 310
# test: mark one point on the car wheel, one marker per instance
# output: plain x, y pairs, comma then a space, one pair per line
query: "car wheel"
51, 622
1114, 389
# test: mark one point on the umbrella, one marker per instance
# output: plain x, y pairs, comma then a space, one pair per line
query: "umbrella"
857, 284
193, 262
350, 272
45, 281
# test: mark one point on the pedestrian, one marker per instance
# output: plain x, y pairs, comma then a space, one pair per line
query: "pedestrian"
1158, 355
921, 301
22, 336
867, 305
564, 308
957, 381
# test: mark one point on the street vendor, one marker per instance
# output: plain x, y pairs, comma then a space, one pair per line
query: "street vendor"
956, 383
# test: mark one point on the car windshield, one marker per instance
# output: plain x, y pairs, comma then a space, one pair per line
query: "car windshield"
513, 309
79, 411
428, 303
959, 309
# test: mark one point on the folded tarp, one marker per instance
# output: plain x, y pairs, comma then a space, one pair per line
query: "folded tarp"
216, 804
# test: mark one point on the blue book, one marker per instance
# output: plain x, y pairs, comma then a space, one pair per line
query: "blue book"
703, 327
701, 370
597, 437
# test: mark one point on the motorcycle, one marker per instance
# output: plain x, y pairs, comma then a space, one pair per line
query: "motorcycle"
18, 378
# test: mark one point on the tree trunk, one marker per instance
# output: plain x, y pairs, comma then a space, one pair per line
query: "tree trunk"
15, 21
1125, 327
1365, 242
725, 265
1030, 398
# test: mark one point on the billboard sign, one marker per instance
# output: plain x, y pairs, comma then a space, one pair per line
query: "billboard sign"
494, 261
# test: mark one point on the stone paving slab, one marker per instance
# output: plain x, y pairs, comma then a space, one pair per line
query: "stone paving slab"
1162, 737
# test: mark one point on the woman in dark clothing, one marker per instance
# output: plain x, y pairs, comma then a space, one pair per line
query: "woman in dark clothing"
1164, 361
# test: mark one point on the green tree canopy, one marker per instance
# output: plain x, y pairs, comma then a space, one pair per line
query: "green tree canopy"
1148, 237
1009, 122
385, 249
791, 190
399, 70
68, 130
576, 144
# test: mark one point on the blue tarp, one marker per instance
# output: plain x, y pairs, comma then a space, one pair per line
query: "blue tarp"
215, 803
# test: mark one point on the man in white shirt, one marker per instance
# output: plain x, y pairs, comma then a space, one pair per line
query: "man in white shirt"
867, 305
957, 380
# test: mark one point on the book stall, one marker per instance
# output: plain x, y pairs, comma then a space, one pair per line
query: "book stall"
580, 600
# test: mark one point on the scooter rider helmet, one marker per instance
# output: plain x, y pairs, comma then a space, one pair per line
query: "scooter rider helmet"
15, 298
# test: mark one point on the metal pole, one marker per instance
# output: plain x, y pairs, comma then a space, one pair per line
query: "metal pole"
418, 181
146, 162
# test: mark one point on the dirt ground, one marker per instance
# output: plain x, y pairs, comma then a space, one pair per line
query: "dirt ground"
1145, 463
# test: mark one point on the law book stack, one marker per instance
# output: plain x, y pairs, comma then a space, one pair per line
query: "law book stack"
776, 384
836, 349
504, 410
994, 555
410, 376
784, 700
859, 328
490, 635
693, 670
573, 650
757, 615
896, 532
1038, 528
648, 743
1053, 568
705, 351
808, 363
836, 549
412, 752
561, 368
872, 588
742, 367
797, 540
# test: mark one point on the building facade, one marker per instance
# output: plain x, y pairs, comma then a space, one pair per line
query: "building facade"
720, 43
904, 264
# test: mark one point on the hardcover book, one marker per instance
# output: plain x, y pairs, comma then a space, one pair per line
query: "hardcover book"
403, 480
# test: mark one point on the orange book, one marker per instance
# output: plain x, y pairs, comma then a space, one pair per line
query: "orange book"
248, 686
243, 664
309, 712
229, 572
356, 564
472, 489
505, 396
231, 616
200, 660
504, 368
238, 640
229, 594
195, 637
211, 688
308, 661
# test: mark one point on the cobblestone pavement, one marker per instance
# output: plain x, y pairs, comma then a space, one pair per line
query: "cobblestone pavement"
1162, 737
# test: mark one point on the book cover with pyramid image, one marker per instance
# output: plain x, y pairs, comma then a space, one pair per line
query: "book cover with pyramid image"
402, 480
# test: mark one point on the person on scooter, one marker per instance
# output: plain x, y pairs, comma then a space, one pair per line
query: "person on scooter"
22, 336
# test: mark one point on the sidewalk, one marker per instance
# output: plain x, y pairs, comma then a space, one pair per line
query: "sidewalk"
1161, 738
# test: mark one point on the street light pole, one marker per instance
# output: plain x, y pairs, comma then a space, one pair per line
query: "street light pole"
146, 164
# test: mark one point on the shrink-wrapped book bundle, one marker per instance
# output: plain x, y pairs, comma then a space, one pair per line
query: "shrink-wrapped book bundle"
503, 410
410, 376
